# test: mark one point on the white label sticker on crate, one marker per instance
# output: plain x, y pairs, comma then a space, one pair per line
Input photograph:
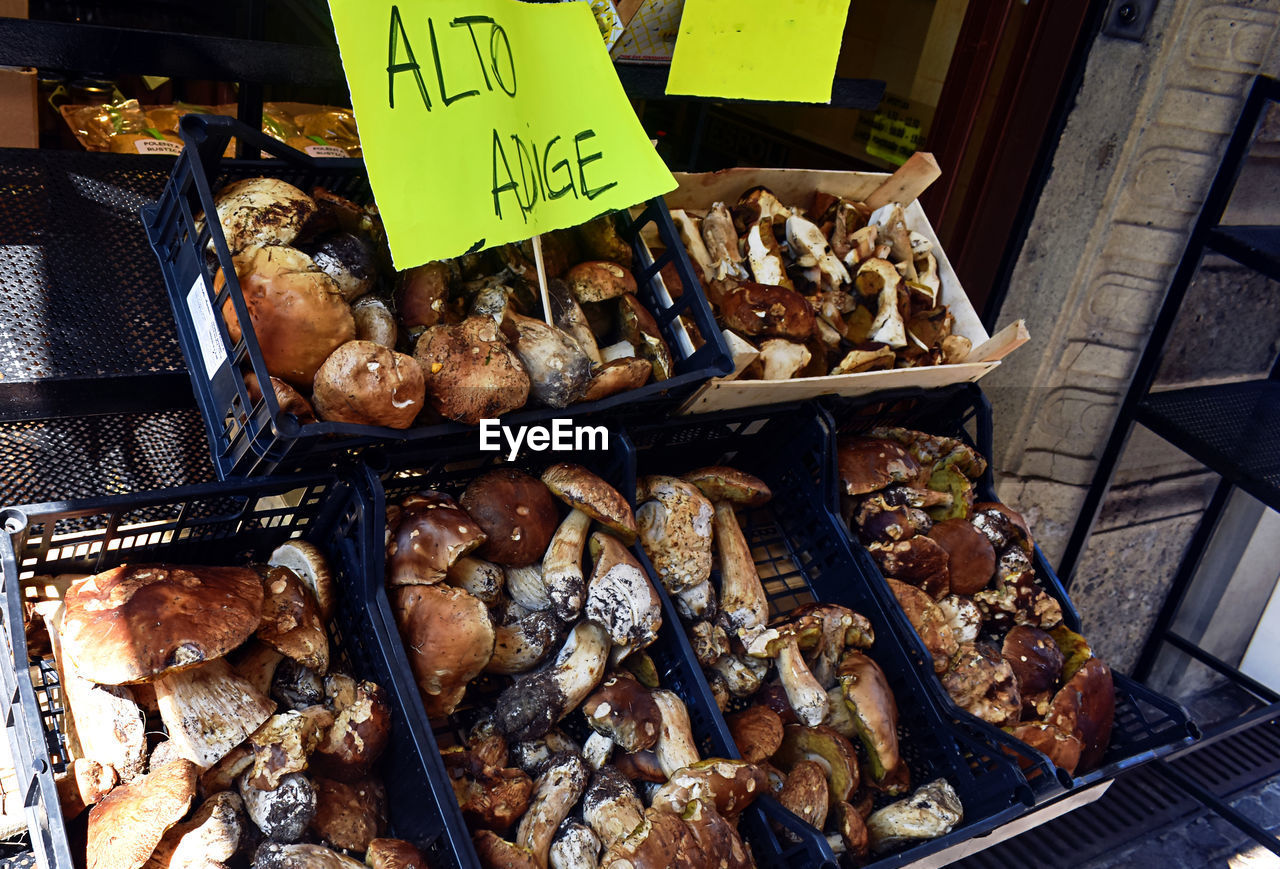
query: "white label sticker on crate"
325, 151
211, 346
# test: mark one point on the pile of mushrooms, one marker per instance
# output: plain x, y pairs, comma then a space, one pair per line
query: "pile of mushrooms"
837, 289
962, 572
347, 339
207, 727
825, 691
491, 587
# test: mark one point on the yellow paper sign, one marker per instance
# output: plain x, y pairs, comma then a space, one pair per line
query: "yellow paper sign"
489, 121
758, 49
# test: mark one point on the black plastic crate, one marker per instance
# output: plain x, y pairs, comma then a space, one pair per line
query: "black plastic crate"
802, 556
208, 524
1147, 724
677, 666
250, 438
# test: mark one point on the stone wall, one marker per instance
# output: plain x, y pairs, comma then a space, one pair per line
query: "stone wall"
1133, 165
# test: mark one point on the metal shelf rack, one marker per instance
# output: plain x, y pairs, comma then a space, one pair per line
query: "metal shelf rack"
1233, 429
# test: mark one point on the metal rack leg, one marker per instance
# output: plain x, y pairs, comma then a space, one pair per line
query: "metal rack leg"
1182, 579
1211, 802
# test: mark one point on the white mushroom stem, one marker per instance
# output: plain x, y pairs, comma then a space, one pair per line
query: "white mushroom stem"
620, 350
597, 750
804, 692
555, 793
575, 847
887, 327
783, 358
611, 807
479, 578
523, 644
766, 261
742, 598
209, 710
562, 566
691, 235
676, 747
806, 240
722, 244
538, 701
525, 587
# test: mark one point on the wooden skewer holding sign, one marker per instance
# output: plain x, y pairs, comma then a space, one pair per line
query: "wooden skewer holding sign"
542, 279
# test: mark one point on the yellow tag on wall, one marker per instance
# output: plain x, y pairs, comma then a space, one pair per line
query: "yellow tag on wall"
758, 49
489, 121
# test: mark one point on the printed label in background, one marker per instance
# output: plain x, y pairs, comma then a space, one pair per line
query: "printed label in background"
157, 146
206, 328
325, 151
895, 132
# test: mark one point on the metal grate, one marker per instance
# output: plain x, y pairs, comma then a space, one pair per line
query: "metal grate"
1139, 803
1233, 428
84, 297
88, 457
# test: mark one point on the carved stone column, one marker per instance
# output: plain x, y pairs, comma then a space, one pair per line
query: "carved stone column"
1130, 172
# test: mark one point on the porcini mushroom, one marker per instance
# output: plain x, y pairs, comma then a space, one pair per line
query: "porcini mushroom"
309, 564
674, 521
262, 209
536, 702
611, 807
375, 322
929, 621
393, 854
209, 710
624, 710
212, 834
878, 277
479, 578
640, 329
804, 794
728, 785
575, 846
296, 311
470, 371
618, 375
516, 513
971, 560
432, 533
874, 711
282, 745
349, 815
920, 561
811, 249
555, 793
366, 383
291, 621
349, 260
599, 281
1037, 665
782, 359
490, 796
524, 642
136, 622
722, 247
128, 824
360, 730
621, 599
276, 855
448, 639
283, 813
833, 753
805, 694
982, 683
756, 731
930, 812
590, 498
766, 311
558, 369
765, 256
870, 464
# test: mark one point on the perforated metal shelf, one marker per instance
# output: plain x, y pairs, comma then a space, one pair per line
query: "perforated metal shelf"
92, 456
86, 325
1234, 429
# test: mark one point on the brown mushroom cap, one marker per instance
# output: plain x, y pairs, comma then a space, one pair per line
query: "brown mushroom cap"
448, 639
516, 513
805, 793
848, 823
393, 854
309, 564
496, 852
490, 796
1037, 665
920, 561
929, 620
291, 622
623, 709
641, 766
363, 382
1086, 708
471, 372
756, 731
762, 310
289, 399
257, 209
1013, 516
583, 490
729, 785
597, 281
432, 534
980, 681
360, 731
619, 375
717, 837
135, 622
1061, 748
971, 559
298, 314
640, 329
131, 820
349, 815
832, 751
422, 293
722, 483
869, 464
